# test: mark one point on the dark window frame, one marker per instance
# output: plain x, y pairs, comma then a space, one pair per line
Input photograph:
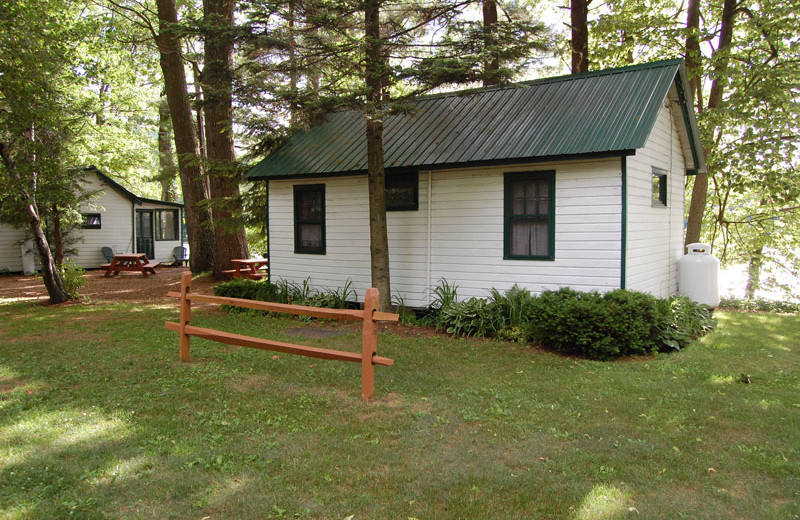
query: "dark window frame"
158, 228
298, 248
396, 181
87, 225
659, 188
509, 218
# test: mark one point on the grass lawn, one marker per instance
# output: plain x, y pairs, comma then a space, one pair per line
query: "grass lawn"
99, 419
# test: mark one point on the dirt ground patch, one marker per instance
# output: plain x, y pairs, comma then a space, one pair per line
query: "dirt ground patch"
132, 287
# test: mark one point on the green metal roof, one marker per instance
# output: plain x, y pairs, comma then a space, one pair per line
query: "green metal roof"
597, 113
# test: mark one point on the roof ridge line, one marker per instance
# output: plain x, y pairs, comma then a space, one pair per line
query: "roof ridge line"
553, 79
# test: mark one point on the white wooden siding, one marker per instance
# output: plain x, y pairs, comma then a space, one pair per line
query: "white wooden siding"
116, 224
655, 234
10, 248
466, 234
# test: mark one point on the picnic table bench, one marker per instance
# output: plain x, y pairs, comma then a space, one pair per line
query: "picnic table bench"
253, 268
129, 262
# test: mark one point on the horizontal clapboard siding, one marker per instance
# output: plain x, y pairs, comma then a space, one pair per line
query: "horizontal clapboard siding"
466, 241
655, 234
11, 248
467, 230
116, 224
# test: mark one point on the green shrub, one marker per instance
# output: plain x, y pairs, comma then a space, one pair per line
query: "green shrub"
516, 306
595, 325
684, 321
760, 305
261, 290
473, 317
72, 278
287, 292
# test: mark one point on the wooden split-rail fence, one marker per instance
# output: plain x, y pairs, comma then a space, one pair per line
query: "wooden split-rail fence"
369, 316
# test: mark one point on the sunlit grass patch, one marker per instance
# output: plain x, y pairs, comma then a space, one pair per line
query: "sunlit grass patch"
605, 502
104, 421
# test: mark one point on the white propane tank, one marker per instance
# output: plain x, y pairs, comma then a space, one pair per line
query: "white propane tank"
698, 275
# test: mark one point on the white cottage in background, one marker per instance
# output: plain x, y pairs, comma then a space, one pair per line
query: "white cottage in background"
572, 181
113, 217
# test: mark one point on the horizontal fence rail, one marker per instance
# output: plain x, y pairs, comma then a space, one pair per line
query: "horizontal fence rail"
368, 316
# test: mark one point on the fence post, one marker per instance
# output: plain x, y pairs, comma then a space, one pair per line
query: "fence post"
186, 314
369, 343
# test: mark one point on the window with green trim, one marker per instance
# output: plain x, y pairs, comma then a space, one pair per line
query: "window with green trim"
659, 192
529, 212
309, 219
402, 191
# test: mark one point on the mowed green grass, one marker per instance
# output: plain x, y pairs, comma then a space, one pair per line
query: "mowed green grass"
99, 419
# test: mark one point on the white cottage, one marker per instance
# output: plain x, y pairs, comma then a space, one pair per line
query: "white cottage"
113, 217
571, 181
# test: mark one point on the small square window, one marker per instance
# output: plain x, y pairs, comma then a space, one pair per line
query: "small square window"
659, 192
402, 191
91, 221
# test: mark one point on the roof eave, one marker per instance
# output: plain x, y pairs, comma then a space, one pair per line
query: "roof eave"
451, 166
114, 184
695, 142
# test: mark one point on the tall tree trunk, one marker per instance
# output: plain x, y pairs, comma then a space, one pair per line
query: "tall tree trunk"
491, 64
50, 275
374, 79
579, 26
197, 77
222, 171
720, 58
754, 273
166, 163
198, 217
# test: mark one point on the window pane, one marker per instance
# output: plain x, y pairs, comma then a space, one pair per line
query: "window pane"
310, 236
91, 221
529, 237
659, 188
530, 197
166, 224
402, 191
309, 205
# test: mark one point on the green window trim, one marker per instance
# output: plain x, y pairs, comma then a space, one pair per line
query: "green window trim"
510, 218
305, 194
659, 190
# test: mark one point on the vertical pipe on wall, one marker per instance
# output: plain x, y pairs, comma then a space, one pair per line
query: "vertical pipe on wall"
428, 276
624, 220
269, 249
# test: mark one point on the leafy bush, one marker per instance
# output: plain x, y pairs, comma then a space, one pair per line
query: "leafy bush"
473, 317
261, 290
685, 321
760, 305
589, 324
71, 278
595, 325
287, 292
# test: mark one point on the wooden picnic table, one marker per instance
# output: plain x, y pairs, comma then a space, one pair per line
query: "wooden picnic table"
253, 268
129, 262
